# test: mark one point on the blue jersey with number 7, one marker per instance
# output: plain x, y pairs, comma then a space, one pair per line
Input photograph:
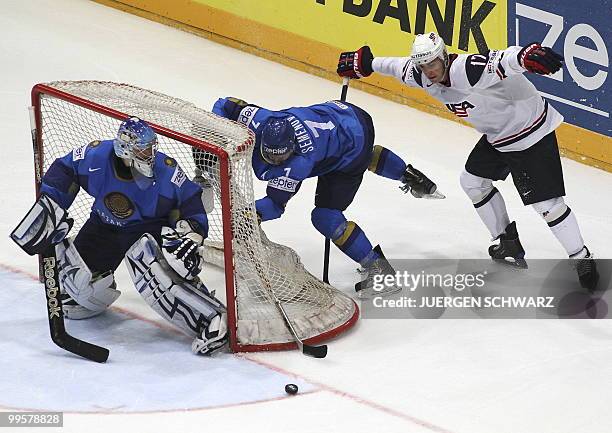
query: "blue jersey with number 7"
329, 137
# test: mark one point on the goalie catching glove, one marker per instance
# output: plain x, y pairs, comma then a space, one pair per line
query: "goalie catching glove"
181, 248
419, 185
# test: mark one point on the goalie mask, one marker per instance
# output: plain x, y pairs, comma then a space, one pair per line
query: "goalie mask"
277, 141
136, 143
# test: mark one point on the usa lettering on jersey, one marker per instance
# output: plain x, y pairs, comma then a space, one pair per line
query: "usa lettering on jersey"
460, 109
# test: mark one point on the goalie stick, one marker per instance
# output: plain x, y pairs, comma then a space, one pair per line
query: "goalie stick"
48, 263
345, 84
56, 314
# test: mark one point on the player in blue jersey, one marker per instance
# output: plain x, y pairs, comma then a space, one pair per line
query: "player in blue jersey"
142, 200
334, 142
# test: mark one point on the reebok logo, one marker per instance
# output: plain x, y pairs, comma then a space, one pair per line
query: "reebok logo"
53, 304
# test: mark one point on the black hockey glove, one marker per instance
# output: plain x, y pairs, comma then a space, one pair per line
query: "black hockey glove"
356, 64
540, 60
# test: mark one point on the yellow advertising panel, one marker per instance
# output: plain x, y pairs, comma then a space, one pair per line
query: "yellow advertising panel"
388, 26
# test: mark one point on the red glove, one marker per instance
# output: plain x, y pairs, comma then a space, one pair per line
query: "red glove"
539, 59
356, 64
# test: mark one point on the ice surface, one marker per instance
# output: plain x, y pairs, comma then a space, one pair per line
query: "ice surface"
386, 375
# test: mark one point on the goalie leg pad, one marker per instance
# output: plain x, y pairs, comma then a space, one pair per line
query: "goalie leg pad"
186, 304
93, 294
45, 224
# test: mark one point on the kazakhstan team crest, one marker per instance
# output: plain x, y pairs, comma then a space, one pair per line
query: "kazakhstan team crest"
119, 205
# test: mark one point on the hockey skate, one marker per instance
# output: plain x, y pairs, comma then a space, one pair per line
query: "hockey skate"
373, 273
586, 269
419, 185
509, 250
213, 338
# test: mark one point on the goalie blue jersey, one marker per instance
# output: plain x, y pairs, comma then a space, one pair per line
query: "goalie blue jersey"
330, 137
118, 201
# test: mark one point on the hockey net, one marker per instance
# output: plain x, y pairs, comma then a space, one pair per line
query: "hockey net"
70, 114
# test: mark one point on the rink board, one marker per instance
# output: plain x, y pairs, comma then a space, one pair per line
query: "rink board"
309, 36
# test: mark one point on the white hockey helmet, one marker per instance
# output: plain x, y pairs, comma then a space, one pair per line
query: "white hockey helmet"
428, 47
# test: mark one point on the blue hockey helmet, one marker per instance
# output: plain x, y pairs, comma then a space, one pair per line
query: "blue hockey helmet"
277, 141
137, 142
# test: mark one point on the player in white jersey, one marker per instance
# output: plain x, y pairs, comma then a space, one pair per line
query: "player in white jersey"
518, 126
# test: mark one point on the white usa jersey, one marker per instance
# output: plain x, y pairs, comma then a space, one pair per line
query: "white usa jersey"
489, 91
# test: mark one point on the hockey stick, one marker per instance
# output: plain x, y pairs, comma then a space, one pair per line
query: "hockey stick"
56, 314
306, 349
48, 265
345, 84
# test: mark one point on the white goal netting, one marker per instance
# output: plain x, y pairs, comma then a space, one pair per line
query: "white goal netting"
72, 114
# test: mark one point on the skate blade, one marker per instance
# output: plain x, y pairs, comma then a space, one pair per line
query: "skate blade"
515, 263
370, 293
436, 195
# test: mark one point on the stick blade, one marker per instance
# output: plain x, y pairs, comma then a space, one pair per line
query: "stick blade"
82, 348
315, 351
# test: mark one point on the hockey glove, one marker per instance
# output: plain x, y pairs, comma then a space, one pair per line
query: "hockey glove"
230, 107
181, 249
540, 60
419, 185
356, 64
45, 224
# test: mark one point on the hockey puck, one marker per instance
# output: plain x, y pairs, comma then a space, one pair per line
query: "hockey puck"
291, 389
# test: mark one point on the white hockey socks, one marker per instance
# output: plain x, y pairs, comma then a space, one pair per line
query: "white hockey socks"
562, 223
487, 201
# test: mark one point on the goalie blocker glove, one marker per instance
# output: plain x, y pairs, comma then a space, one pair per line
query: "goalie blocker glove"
181, 249
540, 60
356, 64
45, 224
